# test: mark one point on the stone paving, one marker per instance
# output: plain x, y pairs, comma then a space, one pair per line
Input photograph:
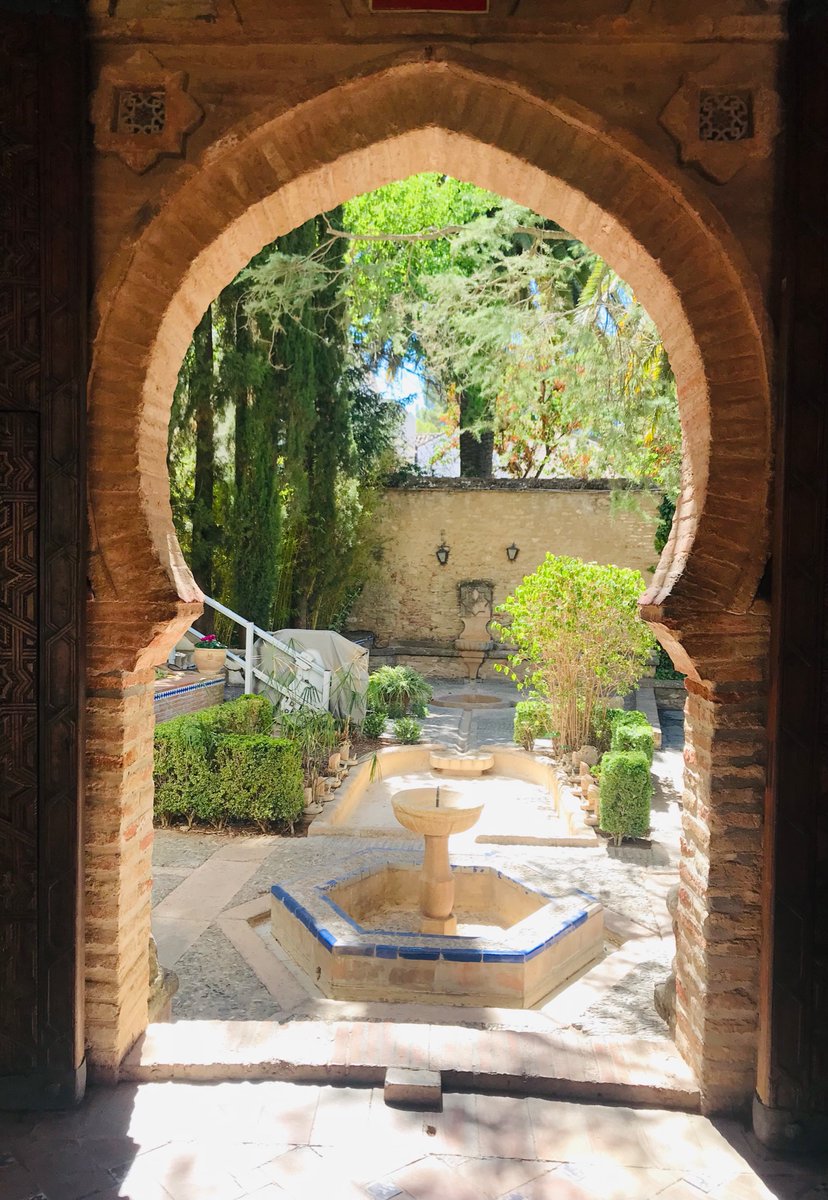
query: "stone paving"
284, 1141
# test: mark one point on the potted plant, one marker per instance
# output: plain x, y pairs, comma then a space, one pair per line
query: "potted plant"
209, 655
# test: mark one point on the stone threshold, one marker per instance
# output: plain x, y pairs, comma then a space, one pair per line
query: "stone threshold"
527, 1061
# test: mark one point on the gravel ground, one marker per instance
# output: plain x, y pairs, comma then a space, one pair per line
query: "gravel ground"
186, 848
162, 882
216, 984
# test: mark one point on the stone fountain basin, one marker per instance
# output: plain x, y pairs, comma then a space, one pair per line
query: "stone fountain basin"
417, 810
461, 764
355, 936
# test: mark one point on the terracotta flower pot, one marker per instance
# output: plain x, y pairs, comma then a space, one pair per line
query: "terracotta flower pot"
209, 661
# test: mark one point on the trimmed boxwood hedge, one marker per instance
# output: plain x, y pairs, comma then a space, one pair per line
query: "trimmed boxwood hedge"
220, 765
626, 789
533, 720
632, 736
248, 714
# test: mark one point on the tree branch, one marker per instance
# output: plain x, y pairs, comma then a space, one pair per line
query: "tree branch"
433, 234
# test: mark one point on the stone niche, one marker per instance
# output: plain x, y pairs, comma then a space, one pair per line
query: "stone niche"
357, 937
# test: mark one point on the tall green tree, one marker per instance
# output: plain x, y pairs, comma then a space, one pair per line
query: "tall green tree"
202, 401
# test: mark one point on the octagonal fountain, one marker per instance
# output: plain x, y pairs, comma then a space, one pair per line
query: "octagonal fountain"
392, 928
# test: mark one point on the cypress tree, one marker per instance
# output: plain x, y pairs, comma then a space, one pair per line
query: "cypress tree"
256, 511
202, 405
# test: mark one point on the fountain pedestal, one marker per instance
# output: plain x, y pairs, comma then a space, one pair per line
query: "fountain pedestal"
436, 813
437, 888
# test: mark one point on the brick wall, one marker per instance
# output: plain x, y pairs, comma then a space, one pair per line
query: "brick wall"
176, 699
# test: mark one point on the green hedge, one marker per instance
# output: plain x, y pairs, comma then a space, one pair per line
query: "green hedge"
533, 720
626, 789
217, 766
248, 714
258, 778
606, 720
631, 736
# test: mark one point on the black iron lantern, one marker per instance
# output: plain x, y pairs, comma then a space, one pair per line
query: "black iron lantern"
512, 552
442, 553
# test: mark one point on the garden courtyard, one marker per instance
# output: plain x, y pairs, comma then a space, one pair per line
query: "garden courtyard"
211, 892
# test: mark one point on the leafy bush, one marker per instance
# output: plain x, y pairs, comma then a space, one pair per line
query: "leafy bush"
579, 637
629, 736
315, 732
664, 668
605, 720
374, 724
407, 730
258, 778
398, 689
626, 789
248, 714
666, 512
629, 716
532, 720
183, 770
205, 770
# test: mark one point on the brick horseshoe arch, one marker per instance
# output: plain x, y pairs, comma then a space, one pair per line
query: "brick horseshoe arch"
274, 172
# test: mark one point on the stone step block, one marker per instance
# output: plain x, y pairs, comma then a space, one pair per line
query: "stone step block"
410, 1087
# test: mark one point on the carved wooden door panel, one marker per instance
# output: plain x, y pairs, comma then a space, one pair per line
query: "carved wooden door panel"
42, 342
794, 1070
18, 740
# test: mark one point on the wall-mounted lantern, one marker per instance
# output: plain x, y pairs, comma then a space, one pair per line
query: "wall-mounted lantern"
442, 553
512, 552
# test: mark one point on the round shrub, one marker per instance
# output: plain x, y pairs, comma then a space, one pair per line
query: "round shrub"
407, 730
578, 638
626, 789
533, 720
375, 721
628, 736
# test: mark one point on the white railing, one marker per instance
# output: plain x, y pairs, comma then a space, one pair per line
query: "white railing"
299, 680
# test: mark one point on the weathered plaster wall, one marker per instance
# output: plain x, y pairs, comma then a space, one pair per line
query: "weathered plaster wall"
413, 598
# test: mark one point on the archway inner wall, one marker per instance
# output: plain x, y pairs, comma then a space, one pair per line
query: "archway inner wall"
688, 270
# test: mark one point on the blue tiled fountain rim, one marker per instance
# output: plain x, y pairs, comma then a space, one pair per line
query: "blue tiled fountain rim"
392, 944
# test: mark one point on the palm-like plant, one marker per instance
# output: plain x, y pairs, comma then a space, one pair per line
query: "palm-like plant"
400, 690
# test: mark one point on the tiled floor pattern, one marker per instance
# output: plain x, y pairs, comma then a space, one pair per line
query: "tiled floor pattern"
281, 1141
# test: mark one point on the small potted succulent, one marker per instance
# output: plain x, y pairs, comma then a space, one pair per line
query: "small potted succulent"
209, 655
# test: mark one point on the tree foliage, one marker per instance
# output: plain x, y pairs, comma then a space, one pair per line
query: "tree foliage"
297, 439
530, 350
520, 332
578, 639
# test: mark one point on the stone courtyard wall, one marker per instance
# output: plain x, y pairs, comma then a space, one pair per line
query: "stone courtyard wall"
412, 598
